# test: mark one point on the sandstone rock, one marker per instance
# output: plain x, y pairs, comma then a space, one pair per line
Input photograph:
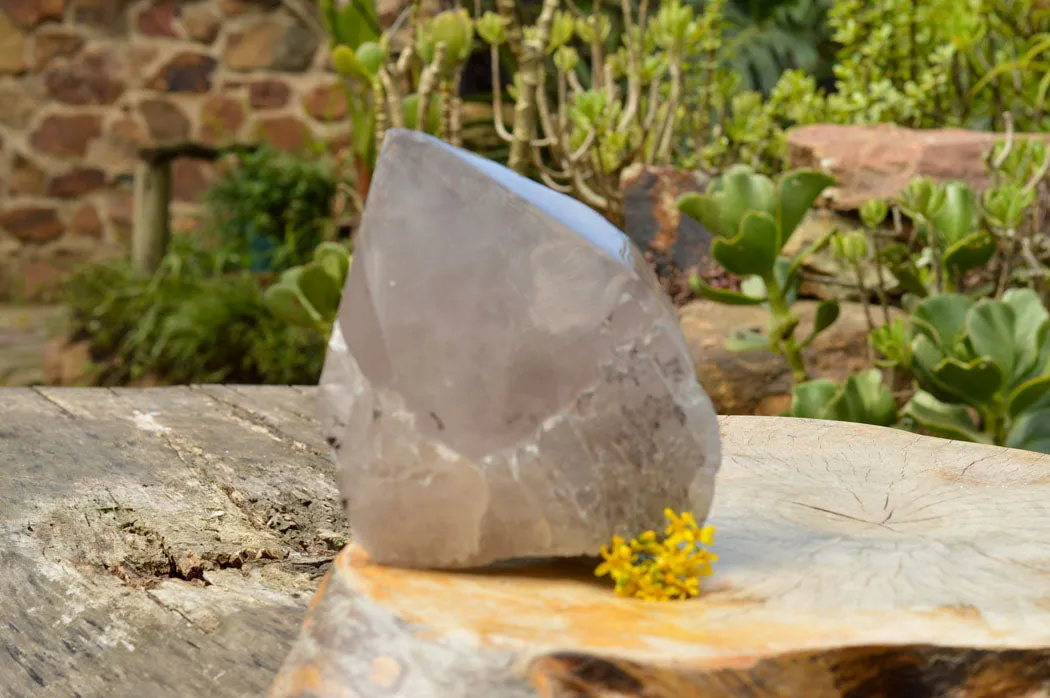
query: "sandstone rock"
201, 22
759, 382
186, 72
268, 94
166, 121
158, 19
537, 399
90, 79
67, 136
41, 278
26, 178
190, 178
54, 43
326, 102
31, 223
879, 161
28, 13
109, 15
855, 561
272, 43
77, 182
12, 57
284, 132
221, 119
17, 105
86, 221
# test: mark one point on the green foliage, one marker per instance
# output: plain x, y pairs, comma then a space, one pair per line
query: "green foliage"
862, 398
198, 319
753, 217
988, 359
271, 208
308, 295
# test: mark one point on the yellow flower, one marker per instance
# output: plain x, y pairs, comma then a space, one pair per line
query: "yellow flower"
661, 570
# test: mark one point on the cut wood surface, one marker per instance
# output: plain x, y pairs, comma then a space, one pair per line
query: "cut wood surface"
158, 542
855, 562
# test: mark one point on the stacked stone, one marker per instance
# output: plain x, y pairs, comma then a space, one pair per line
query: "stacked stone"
85, 83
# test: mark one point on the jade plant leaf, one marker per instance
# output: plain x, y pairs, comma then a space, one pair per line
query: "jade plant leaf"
942, 318
707, 209
797, 191
1028, 394
745, 192
969, 253
286, 303
753, 250
990, 328
975, 382
940, 419
957, 216
814, 399
826, 315
319, 289
1031, 432
721, 295
868, 400
1031, 330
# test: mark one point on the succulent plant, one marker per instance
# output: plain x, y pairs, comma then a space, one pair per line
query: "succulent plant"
309, 295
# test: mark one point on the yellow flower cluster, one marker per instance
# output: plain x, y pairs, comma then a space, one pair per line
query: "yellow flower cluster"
661, 570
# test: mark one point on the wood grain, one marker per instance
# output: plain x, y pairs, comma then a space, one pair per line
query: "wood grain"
159, 542
855, 562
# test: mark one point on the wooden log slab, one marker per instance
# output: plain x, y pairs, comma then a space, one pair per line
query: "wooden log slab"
160, 542
855, 562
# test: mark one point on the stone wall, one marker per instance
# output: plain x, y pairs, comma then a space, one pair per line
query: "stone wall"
85, 83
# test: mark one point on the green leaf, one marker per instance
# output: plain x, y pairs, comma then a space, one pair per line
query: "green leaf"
798, 191
1028, 394
707, 209
319, 290
1031, 330
976, 382
743, 339
969, 253
753, 250
926, 357
990, 327
358, 23
957, 216
826, 315
721, 295
335, 260
745, 192
868, 400
900, 263
814, 399
942, 318
287, 304
1031, 432
946, 421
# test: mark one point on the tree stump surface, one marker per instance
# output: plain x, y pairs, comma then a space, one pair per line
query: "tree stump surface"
855, 562
158, 542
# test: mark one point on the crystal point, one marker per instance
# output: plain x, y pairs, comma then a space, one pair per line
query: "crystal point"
505, 378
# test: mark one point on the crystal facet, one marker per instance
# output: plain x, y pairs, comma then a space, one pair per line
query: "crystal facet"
505, 378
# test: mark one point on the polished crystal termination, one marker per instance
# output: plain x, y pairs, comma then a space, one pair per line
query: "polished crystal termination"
505, 378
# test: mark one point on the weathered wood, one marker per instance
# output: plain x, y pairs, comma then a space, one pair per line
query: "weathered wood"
151, 226
855, 561
159, 542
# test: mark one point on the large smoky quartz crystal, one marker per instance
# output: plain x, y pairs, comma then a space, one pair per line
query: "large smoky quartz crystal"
505, 378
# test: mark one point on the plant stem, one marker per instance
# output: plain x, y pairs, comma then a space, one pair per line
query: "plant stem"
787, 346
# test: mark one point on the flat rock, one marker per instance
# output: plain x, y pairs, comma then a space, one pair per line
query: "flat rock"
854, 561
879, 161
505, 378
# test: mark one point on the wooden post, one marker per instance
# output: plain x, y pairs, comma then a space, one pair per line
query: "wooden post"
151, 227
